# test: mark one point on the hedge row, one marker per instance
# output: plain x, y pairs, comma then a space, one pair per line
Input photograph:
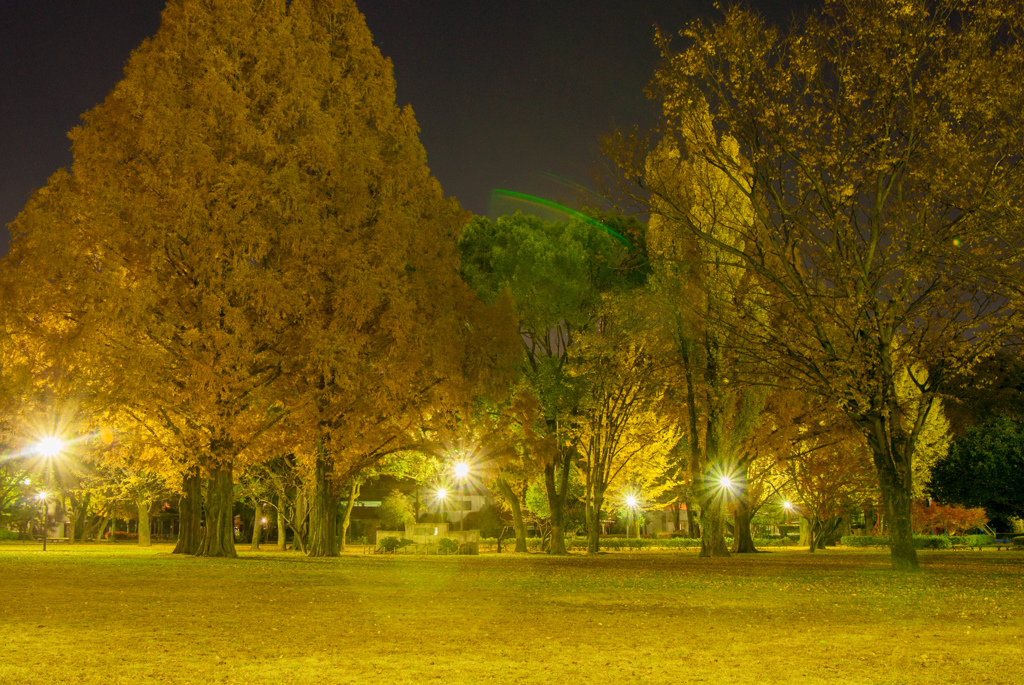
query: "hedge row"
920, 541
620, 543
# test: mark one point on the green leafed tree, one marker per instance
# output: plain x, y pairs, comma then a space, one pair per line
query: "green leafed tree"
554, 274
876, 144
985, 468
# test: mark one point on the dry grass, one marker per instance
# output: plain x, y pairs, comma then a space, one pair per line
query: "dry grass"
120, 614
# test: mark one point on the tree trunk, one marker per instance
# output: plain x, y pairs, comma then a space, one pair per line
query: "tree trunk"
144, 533
692, 527
78, 527
556, 503
190, 514
712, 527
257, 527
594, 524
742, 540
517, 514
891, 454
298, 523
282, 525
219, 536
353, 494
323, 513
897, 513
870, 519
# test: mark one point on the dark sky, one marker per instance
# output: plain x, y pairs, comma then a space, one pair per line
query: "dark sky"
505, 91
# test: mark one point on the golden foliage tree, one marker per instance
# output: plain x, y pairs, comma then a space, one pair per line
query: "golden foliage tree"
877, 148
249, 233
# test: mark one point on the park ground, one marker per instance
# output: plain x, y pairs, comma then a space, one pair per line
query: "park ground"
108, 614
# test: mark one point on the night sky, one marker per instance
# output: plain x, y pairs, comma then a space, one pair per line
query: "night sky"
507, 92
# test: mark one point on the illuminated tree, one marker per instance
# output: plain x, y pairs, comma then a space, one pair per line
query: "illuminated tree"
250, 233
876, 145
625, 435
722, 385
554, 274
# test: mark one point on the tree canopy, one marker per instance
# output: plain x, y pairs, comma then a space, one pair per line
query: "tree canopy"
876, 144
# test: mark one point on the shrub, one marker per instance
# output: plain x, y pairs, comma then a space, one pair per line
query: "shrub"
972, 540
932, 542
391, 544
864, 541
920, 541
8, 534
469, 548
1019, 541
447, 546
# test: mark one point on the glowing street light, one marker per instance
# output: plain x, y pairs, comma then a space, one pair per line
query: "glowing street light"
631, 502
50, 447
441, 494
725, 482
461, 470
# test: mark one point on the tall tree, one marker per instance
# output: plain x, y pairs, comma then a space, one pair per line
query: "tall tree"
626, 437
984, 468
877, 144
249, 231
554, 274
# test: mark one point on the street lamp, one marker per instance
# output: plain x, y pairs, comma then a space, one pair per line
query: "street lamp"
50, 447
42, 497
633, 504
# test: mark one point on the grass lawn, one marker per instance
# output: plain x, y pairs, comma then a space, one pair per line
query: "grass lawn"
120, 614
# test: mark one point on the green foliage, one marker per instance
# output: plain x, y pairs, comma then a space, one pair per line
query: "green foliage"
447, 546
1019, 541
395, 511
972, 540
920, 541
487, 520
8, 534
391, 544
985, 468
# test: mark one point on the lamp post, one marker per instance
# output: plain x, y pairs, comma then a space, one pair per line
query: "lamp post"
48, 448
461, 472
42, 497
633, 503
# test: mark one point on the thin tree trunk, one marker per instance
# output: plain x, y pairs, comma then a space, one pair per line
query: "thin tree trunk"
692, 527
298, 521
323, 514
219, 536
517, 514
353, 494
144, 533
282, 525
78, 527
594, 524
257, 527
190, 514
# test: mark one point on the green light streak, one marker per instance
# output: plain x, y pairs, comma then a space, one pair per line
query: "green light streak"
563, 209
